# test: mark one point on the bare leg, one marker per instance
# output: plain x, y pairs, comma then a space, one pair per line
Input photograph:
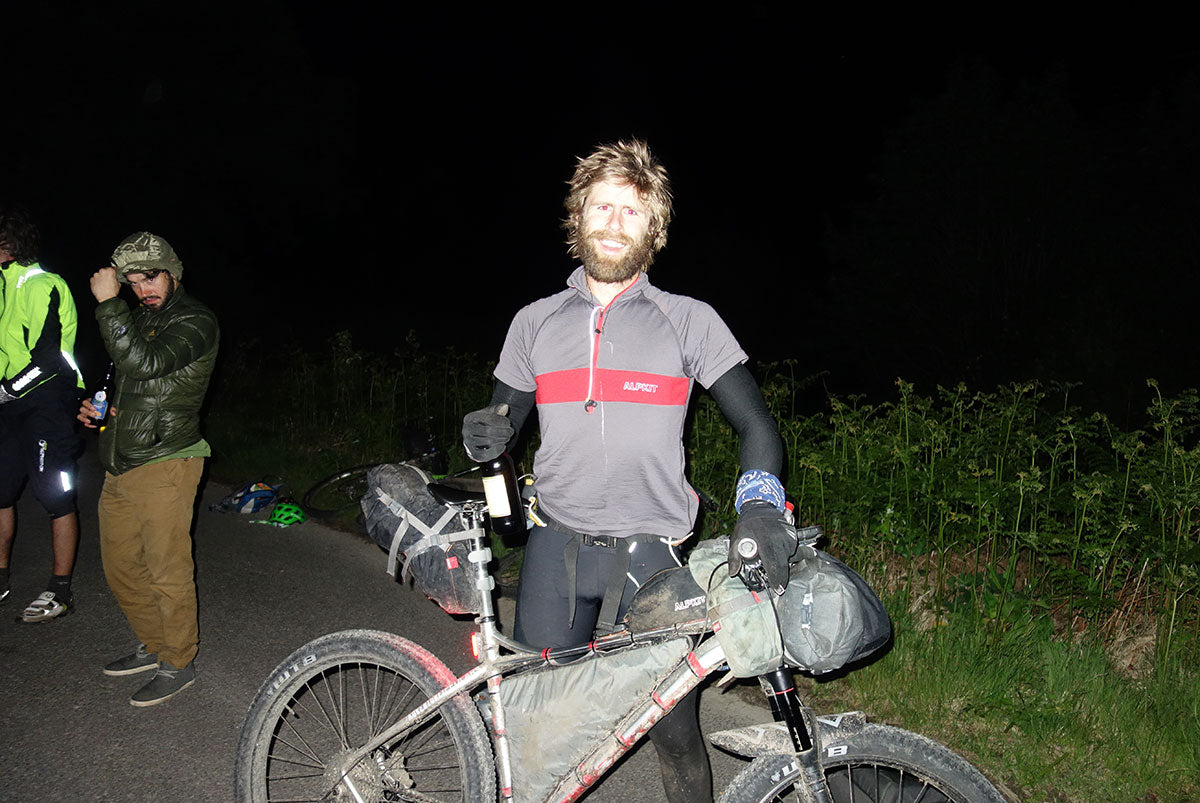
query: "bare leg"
64, 534
8, 529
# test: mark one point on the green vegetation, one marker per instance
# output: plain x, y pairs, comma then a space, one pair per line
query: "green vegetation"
303, 415
1040, 564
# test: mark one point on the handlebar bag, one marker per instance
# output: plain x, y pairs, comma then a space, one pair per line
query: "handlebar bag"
743, 620
403, 517
829, 616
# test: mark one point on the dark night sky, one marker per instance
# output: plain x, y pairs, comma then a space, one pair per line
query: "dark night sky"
323, 166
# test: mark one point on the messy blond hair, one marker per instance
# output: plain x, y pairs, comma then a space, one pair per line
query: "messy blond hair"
625, 162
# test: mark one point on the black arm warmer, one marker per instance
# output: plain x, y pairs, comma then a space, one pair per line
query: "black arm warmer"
741, 401
520, 403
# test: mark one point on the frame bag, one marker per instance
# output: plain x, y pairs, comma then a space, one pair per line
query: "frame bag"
403, 517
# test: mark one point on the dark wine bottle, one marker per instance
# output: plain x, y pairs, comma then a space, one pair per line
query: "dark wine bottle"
503, 496
102, 399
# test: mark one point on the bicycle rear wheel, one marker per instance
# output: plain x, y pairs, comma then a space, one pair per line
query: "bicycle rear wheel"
336, 693
337, 493
878, 764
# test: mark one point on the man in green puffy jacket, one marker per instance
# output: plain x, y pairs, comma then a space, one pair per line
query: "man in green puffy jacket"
39, 391
163, 353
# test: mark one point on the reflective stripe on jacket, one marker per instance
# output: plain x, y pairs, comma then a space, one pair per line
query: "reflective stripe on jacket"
37, 328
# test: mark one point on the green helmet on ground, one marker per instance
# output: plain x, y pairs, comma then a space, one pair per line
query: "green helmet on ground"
286, 514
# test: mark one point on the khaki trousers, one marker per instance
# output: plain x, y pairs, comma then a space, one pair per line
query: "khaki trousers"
146, 547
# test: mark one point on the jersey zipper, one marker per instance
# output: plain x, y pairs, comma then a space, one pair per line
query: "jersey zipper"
596, 321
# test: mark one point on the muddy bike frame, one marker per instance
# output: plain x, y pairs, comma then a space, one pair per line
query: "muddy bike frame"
705, 658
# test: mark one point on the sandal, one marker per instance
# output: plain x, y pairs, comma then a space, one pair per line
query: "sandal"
46, 606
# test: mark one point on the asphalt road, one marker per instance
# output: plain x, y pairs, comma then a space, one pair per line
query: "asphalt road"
67, 732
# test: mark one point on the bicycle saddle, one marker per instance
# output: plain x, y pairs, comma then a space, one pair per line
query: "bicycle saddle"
457, 490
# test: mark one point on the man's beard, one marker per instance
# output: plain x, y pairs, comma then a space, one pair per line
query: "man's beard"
172, 286
612, 270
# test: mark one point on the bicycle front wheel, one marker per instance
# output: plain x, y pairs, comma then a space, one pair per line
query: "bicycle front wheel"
338, 692
337, 492
878, 764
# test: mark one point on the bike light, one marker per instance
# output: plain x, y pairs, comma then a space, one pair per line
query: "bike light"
475, 646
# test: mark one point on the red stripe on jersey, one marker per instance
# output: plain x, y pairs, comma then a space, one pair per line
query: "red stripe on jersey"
562, 386
612, 385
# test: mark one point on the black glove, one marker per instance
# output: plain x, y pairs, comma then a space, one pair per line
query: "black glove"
774, 540
486, 433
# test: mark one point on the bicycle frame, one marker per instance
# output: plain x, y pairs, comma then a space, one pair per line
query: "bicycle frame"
700, 662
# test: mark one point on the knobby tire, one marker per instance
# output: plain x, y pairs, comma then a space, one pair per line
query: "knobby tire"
337, 692
878, 764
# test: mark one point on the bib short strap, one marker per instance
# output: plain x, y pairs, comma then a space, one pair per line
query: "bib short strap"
614, 588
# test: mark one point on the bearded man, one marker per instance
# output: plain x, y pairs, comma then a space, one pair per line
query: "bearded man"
610, 363
163, 351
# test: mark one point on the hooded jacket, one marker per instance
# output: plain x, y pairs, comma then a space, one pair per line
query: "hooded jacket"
163, 359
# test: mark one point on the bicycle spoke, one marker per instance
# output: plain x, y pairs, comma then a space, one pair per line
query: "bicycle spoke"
307, 749
314, 761
333, 714
417, 797
294, 777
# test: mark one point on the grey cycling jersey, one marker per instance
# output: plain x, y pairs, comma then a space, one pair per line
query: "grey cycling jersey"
612, 385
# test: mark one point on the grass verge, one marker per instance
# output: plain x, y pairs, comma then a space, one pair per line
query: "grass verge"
1050, 720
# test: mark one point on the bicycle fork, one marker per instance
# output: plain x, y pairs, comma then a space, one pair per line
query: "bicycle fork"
787, 709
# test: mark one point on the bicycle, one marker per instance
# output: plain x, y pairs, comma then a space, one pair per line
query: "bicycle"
342, 490
370, 716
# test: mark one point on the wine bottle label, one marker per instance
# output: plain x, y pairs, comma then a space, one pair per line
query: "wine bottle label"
497, 497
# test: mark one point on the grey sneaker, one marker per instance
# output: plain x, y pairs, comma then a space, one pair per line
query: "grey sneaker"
138, 661
166, 683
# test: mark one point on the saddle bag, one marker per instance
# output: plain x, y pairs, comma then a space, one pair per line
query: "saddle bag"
403, 517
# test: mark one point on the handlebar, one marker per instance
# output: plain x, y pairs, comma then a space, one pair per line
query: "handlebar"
752, 572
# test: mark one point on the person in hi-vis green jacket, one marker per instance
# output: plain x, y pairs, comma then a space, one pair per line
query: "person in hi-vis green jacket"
40, 387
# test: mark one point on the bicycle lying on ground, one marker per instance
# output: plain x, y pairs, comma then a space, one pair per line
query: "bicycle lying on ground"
370, 716
343, 489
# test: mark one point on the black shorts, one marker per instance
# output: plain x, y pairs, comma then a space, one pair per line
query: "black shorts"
543, 604
39, 440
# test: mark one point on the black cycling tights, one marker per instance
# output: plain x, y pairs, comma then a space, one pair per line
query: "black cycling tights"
541, 621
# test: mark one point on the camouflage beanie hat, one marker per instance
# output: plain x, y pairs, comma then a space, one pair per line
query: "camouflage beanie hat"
143, 252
